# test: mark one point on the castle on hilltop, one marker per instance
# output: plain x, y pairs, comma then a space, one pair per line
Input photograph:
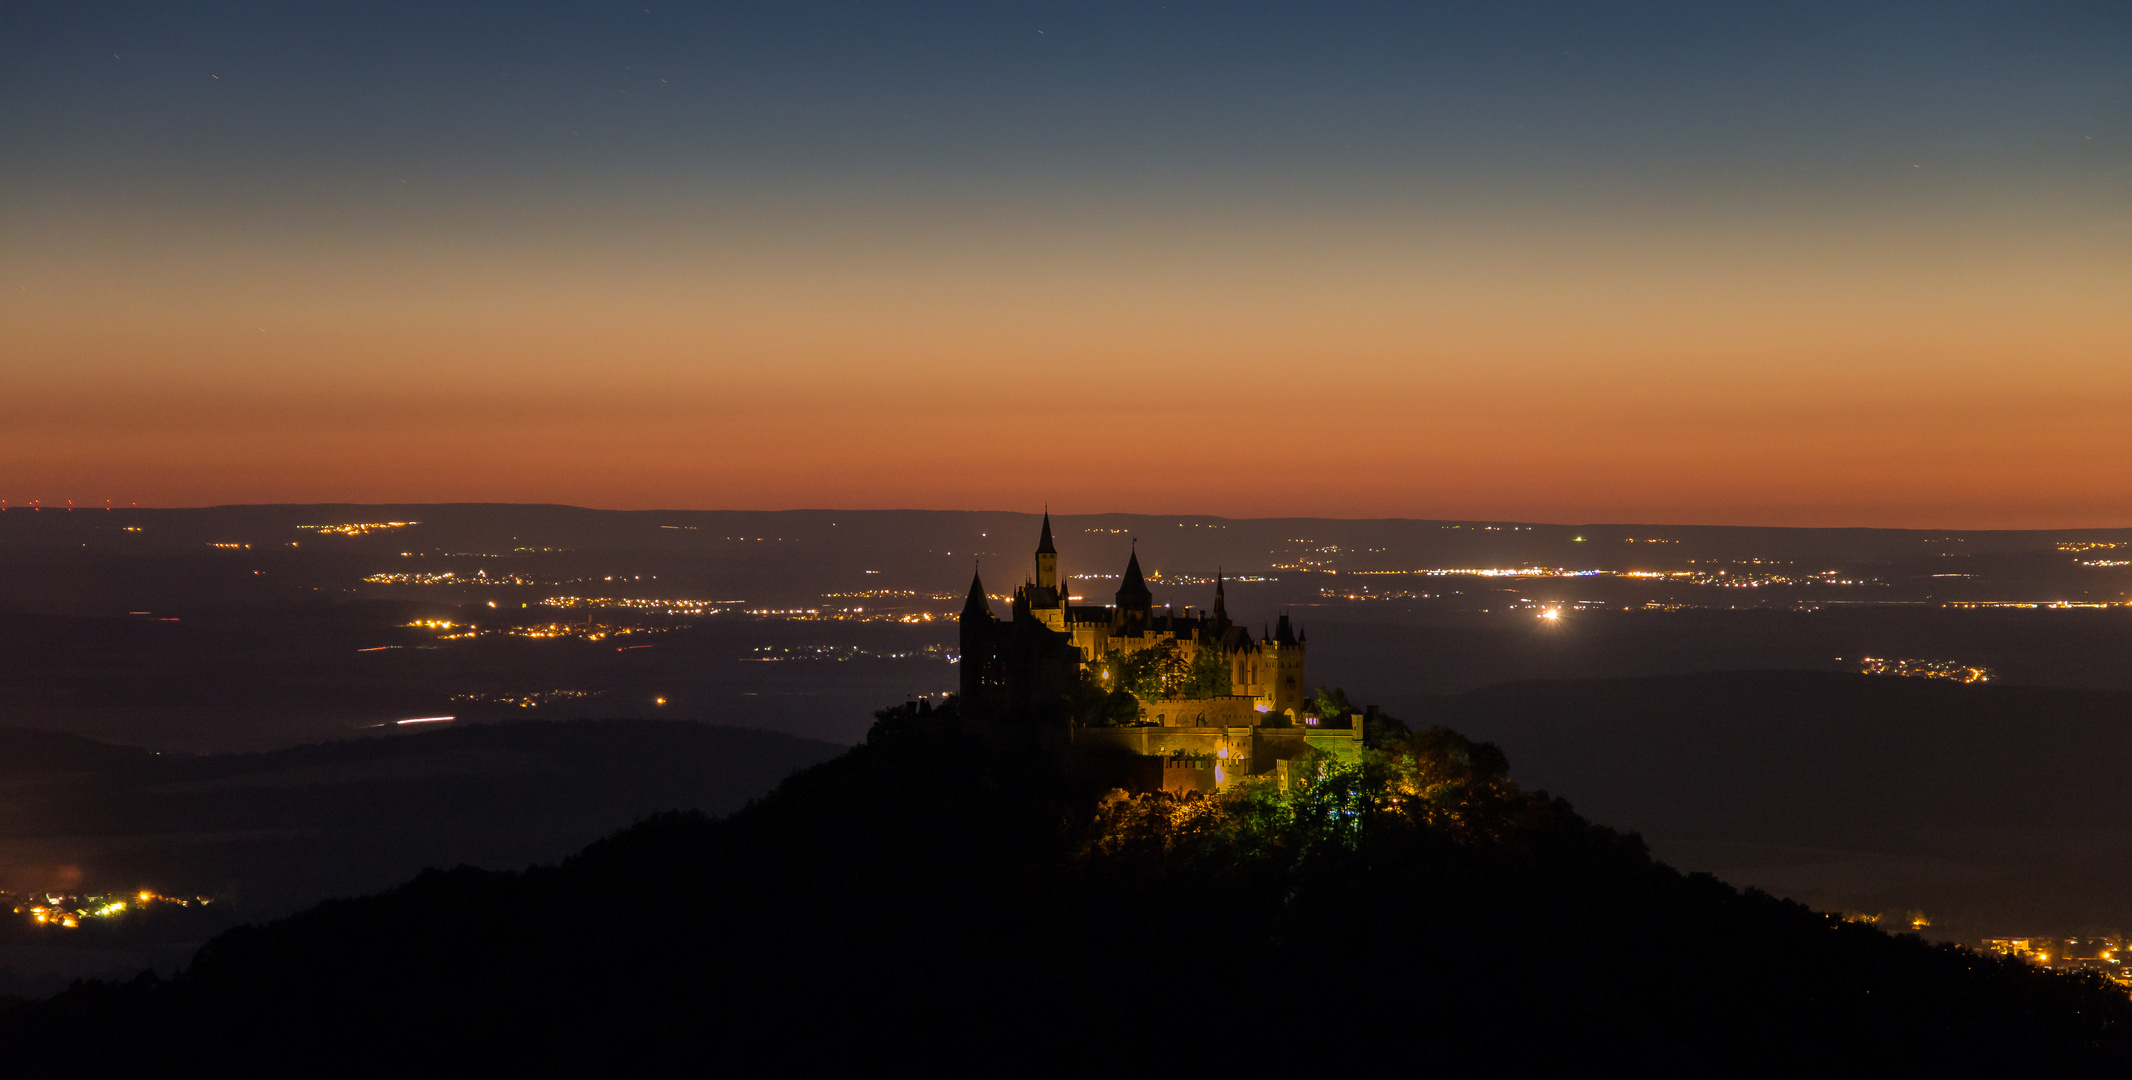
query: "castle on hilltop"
1180, 700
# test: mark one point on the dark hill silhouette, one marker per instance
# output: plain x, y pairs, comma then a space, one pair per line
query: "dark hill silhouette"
1996, 809
272, 833
289, 827
926, 901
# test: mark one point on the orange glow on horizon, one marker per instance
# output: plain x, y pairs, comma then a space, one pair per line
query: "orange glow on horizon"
1757, 372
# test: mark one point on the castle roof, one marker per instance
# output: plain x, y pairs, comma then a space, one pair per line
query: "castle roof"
1043, 546
977, 603
1282, 633
1133, 591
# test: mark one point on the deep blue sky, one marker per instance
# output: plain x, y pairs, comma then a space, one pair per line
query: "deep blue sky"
1524, 91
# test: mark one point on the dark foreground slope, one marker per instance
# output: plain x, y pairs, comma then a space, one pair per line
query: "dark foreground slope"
923, 900
1997, 810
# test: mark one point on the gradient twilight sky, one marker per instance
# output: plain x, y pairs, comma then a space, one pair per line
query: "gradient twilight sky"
1812, 264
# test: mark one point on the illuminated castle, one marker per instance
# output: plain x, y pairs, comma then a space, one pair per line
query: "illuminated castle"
1211, 702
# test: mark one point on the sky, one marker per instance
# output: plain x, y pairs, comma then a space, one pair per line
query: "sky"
1780, 264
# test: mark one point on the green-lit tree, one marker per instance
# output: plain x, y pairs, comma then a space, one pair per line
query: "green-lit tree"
1141, 673
1332, 701
1096, 701
1205, 675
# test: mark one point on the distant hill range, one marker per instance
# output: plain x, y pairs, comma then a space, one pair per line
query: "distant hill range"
256, 627
933, 550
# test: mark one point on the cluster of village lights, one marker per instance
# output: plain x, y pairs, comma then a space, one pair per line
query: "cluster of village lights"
358, 528
68, 911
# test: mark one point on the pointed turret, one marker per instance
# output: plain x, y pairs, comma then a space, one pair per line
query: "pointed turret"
977, 606
1283, 633
1221, 603
1133, 594
1135, 602
1043, 546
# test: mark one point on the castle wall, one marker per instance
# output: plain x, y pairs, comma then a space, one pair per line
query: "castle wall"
1228, 749
1234, 710
1344, 744
1231, 752
1185, 775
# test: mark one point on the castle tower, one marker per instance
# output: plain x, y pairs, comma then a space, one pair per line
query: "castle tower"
1045, 600
1135, 603
1047, 557
979, 645
1283, 670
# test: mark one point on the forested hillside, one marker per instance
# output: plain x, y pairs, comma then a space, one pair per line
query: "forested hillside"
932, 896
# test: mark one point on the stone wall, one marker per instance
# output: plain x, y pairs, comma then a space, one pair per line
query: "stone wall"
1233, 710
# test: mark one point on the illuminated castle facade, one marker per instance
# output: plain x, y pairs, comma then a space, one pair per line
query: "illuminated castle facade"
1049, 653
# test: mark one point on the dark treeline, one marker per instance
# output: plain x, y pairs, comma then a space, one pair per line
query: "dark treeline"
931, 897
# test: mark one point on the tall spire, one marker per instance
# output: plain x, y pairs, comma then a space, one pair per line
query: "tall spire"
1133, 592
1047, 563
1221, 599
977, 606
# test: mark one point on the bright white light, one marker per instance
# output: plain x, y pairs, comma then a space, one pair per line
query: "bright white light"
1551, 614
427, 720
